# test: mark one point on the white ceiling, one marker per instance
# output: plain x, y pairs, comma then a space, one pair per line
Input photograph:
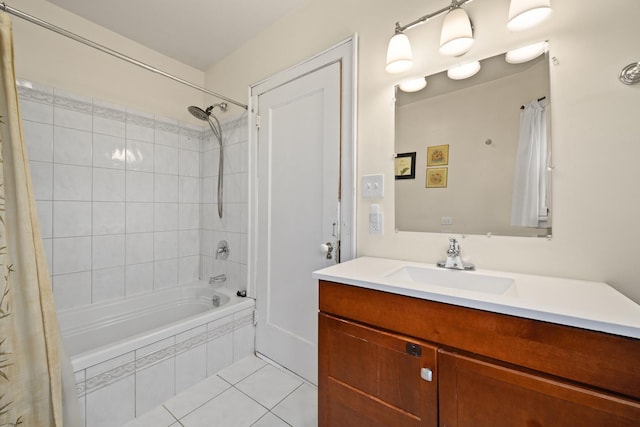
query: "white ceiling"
195, 32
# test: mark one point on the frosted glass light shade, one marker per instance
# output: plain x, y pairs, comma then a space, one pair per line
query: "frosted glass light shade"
525, 14
464, 71
456, 37
526, 53
413, 85
399, 55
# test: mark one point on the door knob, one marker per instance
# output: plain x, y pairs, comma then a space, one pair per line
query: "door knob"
327, 248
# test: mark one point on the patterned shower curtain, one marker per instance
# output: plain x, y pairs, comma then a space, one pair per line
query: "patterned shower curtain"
36, 383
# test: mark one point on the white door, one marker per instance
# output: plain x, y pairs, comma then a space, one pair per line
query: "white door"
298, 191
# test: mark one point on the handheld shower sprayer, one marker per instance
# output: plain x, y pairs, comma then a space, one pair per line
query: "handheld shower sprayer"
206, 115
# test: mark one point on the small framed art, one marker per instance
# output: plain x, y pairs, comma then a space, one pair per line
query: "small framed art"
405, 166
438, 155
436, 178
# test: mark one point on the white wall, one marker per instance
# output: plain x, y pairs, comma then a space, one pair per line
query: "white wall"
48, 58
595, 124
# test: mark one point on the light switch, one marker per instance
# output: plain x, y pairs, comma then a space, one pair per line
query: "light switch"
373, 185
446, 220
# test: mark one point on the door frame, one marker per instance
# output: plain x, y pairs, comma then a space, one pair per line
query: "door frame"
346, 53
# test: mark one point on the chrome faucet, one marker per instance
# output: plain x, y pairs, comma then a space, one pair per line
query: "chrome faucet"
217, 279
453, 258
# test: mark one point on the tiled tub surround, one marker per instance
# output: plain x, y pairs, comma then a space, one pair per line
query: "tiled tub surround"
127, 200
125, 379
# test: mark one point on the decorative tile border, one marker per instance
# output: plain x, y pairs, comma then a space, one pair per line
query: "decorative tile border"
119, 372
59, 101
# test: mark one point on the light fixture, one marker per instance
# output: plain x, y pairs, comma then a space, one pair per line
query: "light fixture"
526, 53
456, 37
413, 85
399, 55
525, 14
464, 71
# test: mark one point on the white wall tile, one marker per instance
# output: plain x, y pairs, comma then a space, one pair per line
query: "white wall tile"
165, 245
39, 140
209, 189
108, 218
36, 111
139, 217
109, 151
188, 142
139, 155
189, 190
108, 185
72, 255
139, 278
48, 251
72, 119
188, 269
107, 284
219, 353
106, 126
112, 405
188, 216
42, 179
232, 159
71, 219
166, 188
167, 138
165, 216
166, 160
191, 366
108, 251
72, 182
154, 385
139, 186
165, 273
139, 248
72, 146
72, 290
189, 163
188, 243
45, 218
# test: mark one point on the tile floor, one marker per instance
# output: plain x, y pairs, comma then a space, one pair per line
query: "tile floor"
250, 392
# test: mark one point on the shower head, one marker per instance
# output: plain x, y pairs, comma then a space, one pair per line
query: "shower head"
201, 114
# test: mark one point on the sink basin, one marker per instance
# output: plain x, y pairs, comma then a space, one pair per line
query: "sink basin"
453, 279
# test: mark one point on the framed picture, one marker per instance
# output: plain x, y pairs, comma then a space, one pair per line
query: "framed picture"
436, 178
438, 155
405, 166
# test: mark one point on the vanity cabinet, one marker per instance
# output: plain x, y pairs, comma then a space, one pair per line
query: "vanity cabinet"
376, 351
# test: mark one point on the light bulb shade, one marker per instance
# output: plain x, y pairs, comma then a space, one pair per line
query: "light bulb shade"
456, 37
399, 55
527, 53
413, 85
463, 71
525, 14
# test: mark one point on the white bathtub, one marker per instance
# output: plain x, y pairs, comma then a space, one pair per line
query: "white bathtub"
132, 354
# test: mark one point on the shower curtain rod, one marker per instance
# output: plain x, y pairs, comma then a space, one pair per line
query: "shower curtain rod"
90, 43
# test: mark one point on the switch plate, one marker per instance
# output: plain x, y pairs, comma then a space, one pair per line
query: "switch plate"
446, 220
373, 185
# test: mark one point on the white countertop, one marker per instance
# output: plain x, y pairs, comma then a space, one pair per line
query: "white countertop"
580, 303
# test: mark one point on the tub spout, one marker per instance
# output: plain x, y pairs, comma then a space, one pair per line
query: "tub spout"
217, 279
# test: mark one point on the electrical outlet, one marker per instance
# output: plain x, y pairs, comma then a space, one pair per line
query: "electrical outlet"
446, 220
375, 220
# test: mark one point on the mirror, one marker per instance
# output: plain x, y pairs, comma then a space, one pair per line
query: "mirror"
465, 136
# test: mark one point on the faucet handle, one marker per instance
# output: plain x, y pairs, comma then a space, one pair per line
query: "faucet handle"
454, 247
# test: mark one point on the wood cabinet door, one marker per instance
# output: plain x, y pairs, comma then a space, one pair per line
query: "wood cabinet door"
478, 393
372, 378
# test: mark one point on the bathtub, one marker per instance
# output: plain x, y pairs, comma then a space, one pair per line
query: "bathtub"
131, 355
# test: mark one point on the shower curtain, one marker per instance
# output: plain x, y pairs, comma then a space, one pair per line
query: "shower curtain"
36, 381
529, 202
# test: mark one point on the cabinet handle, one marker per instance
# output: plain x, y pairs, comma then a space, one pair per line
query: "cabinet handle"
426, 374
